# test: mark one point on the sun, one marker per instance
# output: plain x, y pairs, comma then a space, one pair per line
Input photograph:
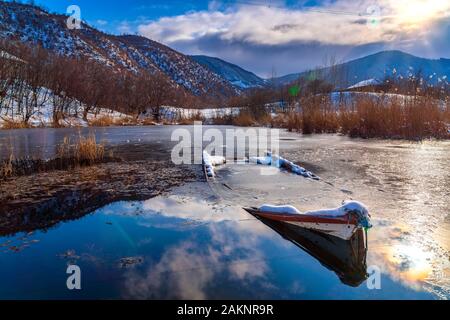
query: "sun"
418, 12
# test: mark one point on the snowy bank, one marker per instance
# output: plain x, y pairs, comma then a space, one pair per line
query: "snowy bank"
41, 114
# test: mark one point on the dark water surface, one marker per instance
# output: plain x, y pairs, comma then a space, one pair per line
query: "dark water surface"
197, 242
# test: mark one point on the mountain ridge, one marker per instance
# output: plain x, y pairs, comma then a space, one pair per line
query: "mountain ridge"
31, 24
235, 74
379, 65
199, 74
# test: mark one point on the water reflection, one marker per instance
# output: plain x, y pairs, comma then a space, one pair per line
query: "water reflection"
346, 258
187, 248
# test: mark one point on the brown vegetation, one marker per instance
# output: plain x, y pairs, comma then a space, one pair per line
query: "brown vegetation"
84, 152
77, 87
195, 117
11, 124
421, 111
413, 118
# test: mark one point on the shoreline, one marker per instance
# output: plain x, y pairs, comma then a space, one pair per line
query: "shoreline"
42, 200
393, 138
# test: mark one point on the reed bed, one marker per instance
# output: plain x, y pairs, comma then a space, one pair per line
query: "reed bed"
84, 152
412, 118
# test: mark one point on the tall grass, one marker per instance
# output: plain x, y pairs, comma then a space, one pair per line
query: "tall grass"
412, 118
244, 119
108, 121
318, 115
9, 124
104, 121
84, 152
191, 118
87, 150
6, 167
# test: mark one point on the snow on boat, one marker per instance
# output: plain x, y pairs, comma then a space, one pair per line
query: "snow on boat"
340, 222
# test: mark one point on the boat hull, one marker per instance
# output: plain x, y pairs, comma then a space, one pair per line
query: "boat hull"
347, 258
343, 227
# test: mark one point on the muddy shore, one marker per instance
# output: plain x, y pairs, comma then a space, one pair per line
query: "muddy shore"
42, 200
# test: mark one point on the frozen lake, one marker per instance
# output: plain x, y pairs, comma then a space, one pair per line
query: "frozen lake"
196, 242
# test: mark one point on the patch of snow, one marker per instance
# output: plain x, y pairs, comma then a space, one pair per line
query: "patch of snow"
279, 209
365, 83
210, 162
42, 115
348, 206
280, 162
174, 114
6, 55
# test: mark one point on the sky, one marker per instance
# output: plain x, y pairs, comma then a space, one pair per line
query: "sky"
277, 37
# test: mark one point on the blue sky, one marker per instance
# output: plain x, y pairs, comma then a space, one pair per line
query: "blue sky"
284, 36
109, 15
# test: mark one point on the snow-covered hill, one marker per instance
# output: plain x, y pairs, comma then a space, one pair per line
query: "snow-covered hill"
234, 74
29, 23
377, 67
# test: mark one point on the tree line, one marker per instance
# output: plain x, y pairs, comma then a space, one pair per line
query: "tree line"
32, 78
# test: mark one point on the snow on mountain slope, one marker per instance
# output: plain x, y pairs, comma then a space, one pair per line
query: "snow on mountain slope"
365, 83
234, 74
29, 23
182, 69
378, 66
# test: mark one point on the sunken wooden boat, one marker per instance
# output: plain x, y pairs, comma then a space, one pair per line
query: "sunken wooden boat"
341, 222
346, 258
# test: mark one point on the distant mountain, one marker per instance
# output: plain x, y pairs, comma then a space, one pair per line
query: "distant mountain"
236, 75
377, 67
31, 24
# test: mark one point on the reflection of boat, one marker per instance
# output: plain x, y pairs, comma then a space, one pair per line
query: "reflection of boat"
347, 258
341, 222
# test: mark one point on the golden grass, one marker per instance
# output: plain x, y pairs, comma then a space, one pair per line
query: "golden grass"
88, 150
244, 119
414, 118
6, 167
103, 121
195, 117
293, 121
85, 152
9, 124
147, 122
108, 121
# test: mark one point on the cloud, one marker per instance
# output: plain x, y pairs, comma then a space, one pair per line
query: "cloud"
337, 28
101, 22
124, 27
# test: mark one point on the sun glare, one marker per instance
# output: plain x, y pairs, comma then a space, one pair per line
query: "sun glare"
413, 262
417, 12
